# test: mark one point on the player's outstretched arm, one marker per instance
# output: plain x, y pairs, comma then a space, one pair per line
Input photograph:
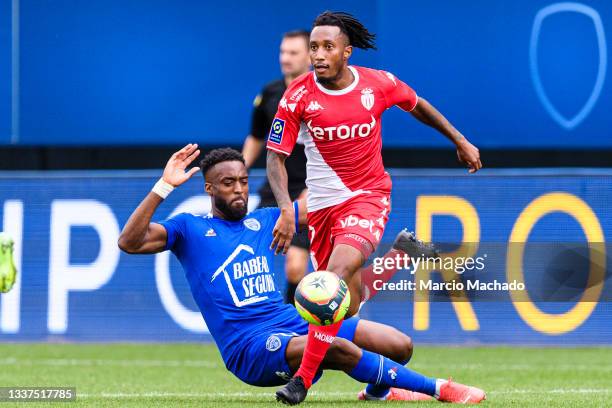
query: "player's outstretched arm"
466, 152
285, 225
140, 235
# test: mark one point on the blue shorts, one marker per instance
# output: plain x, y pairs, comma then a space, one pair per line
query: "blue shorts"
261, 360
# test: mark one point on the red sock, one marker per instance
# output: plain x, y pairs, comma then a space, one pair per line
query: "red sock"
319, 340
368, 277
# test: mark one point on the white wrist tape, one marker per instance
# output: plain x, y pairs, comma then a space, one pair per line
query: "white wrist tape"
162, 189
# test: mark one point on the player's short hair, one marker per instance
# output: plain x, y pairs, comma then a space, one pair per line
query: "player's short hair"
358, 35
216, 156
305, 34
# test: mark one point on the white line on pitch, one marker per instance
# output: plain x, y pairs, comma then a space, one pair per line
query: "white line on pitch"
313, 393
555, 391
512, 367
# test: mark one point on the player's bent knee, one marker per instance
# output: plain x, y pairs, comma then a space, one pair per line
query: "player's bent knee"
403, 348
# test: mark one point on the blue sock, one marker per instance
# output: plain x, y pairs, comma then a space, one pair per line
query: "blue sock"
375, 369
381, 391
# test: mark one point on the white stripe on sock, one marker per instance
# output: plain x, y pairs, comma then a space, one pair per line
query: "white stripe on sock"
380, 370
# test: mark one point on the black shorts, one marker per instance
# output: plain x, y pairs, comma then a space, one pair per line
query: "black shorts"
300, 240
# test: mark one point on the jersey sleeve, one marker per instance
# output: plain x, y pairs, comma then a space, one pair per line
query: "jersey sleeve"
397, 92
175, 228
286, 124
259, 125
274, 213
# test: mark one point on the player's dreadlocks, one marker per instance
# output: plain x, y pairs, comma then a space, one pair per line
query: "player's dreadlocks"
219, 155
358, 35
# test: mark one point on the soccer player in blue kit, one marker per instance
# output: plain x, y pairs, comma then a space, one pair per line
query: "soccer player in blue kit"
227, 260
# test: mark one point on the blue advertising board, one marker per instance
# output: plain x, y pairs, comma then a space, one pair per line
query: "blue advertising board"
6, 60
75, 284
506, 73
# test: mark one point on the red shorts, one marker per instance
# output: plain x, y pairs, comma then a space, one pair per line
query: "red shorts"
359, 222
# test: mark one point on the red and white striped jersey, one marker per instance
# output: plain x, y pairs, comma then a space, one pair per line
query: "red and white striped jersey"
341, 130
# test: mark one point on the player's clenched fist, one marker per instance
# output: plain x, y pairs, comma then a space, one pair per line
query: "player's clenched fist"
284, 230
174, 172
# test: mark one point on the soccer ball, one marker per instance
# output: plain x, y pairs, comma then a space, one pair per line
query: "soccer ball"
322, 298
8, 272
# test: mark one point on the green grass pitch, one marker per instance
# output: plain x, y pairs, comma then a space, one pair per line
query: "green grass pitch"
193, 375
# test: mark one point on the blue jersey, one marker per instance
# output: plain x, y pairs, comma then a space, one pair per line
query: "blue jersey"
228, 265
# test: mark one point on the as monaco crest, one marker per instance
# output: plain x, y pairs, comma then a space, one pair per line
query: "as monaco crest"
367, 98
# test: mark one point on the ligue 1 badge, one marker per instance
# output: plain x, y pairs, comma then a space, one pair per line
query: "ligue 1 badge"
367, 98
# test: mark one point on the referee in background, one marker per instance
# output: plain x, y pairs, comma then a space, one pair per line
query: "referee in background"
294, 61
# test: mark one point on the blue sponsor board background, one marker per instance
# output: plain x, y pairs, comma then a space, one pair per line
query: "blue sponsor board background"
75, 284
161, 72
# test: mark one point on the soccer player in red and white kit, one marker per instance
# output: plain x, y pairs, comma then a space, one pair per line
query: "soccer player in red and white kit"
337, 109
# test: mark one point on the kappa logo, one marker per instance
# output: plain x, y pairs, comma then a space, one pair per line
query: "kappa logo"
210, 233
367, 98
392, 373
273, 343
252, 224
287, 106
314, 106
